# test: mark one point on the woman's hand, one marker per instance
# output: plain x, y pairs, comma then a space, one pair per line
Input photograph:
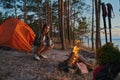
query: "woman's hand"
52, 45
43, 42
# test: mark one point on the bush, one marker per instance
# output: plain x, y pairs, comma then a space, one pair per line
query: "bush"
108, 54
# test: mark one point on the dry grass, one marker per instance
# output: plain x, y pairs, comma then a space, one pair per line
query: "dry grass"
16, 65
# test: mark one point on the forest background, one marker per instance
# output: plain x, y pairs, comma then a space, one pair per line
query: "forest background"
64, 16
69, 19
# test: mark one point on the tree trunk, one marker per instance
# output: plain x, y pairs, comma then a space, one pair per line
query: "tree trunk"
92, 39
62, 25
68, 22
25, 11
39, 19
59, 20
51, 19
97, 5
73, 38
15, 8
46, 11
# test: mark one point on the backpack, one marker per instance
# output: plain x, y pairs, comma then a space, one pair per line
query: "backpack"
108, 72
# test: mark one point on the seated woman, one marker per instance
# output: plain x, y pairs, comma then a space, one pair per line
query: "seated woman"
45, 43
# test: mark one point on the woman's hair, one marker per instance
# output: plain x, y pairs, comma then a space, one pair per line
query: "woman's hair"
44, 26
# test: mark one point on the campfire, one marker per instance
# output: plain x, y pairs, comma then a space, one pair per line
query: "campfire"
73, 61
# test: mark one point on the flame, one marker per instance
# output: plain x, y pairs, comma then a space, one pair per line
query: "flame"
75, 52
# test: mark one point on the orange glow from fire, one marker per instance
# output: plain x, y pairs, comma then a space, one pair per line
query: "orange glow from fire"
75, 52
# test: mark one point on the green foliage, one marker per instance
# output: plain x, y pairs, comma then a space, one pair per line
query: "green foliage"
1, 18
108, 54
38, 11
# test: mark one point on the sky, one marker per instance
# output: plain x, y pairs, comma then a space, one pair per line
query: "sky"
115, 22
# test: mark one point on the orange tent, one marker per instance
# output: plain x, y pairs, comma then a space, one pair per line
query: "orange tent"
16, 34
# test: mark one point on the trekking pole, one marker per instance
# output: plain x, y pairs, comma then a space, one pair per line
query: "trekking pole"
104, 14
109, 7
119, 5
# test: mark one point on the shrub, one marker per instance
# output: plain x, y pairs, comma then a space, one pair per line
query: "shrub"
108, 54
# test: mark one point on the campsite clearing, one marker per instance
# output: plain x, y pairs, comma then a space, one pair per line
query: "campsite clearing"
16, 65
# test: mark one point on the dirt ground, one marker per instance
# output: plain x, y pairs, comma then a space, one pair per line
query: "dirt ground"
15, 65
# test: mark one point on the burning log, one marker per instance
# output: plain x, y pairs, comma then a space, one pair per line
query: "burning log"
73, 59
